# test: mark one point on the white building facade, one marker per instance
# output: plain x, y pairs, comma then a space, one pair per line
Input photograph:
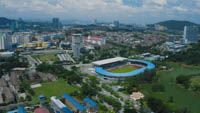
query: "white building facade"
191, 34
5, 41
77, 43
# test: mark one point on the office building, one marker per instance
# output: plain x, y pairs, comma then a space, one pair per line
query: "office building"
116, 23
77, 42
56, 23
191, 34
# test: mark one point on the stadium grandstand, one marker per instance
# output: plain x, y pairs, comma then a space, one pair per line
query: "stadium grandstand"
119, 68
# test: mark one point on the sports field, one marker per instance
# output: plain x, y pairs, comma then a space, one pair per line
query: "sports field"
46, 57
123, 69
56, 88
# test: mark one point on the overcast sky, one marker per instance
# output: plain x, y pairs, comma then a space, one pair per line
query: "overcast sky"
126, 11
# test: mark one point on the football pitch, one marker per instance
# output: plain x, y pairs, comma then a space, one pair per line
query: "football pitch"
124, 69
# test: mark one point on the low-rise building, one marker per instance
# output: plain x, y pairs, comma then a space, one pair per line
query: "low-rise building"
58, 106
41, 110
136, 96
76, 106
3, 83
90, 105
9, 97
96, 40
20, 109
15, 83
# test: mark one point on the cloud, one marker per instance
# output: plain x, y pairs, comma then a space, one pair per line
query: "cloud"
180, 9
129, 11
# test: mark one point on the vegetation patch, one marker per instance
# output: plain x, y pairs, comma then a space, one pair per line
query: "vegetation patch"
46, 57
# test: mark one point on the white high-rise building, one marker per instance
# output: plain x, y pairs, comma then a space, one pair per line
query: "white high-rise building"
77, 42
191, 34
5, 41
20, 38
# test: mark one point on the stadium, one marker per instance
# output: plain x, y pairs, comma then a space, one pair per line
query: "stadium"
120, 68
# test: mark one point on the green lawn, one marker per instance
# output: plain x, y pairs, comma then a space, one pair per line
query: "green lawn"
56, 88
46, 57
182, 97
124, 69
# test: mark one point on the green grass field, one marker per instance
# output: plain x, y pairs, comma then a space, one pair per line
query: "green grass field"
182, 97
46, 57
56, 88
124, 69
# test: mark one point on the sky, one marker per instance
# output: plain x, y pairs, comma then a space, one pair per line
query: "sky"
126, 11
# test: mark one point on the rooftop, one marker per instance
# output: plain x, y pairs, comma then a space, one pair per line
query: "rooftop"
41, 110
89, 101
136, 95
111, 60
74, 102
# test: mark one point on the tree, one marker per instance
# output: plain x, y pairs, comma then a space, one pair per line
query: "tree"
28, 97
129, 109
182, 110
171, 99
185, 80
157, 105
158, 88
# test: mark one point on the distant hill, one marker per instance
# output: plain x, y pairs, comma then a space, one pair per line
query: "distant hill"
5, 21
177, 25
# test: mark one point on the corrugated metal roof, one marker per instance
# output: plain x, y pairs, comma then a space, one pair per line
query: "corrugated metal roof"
66, 110
74, 102
60, 105
89, 101
57, 102
110, 60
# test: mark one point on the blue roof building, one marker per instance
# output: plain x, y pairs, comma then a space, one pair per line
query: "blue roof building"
20, 109
74, 103
90, 102
41, 97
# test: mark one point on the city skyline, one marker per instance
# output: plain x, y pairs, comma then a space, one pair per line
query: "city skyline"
126, 11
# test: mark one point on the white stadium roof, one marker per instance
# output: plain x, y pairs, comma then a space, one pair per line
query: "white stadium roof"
107, 61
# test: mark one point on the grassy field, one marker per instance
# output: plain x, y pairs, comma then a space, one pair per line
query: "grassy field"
182, 97
124, 69
56, 88
46, 57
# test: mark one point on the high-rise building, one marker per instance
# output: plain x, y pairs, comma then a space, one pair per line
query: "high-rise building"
116, 23
191, 34
95, 21
14, 26
21, 38
77, 42
56, 23
5, 41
